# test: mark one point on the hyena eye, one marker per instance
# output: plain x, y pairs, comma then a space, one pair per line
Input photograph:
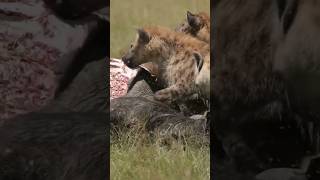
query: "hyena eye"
131, 45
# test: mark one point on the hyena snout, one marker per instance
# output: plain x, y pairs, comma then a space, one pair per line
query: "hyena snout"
129, 61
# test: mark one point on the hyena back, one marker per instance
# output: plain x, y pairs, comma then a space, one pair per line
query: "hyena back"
177, 55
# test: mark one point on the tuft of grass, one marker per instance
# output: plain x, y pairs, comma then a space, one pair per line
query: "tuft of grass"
127, 16
134, 156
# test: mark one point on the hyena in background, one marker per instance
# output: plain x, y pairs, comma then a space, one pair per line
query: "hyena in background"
177, 55
197, 25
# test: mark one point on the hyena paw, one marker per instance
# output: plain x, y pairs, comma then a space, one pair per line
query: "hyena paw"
162, 96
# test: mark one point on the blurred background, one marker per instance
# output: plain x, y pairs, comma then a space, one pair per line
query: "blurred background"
127, 16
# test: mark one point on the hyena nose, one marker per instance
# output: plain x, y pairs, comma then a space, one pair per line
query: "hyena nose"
125, 59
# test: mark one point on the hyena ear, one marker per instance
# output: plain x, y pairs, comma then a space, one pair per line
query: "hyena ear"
144, 36
287, 10
199, 60
193, 20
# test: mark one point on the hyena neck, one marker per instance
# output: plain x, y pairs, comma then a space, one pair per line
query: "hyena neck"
165, 54
162, 64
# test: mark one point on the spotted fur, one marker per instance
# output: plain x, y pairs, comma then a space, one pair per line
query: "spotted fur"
177, 55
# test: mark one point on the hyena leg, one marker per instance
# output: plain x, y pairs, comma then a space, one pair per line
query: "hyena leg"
182, 87
172, 93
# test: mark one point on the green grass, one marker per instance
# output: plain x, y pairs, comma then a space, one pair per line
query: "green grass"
126, 16
133, 156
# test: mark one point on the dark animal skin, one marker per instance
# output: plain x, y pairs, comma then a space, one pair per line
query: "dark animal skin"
95, 48
75, 9
66, 146
95, 14
261, 116
143, 84
87, 92
156, 117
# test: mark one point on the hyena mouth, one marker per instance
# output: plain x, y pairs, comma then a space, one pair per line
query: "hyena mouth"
129, 63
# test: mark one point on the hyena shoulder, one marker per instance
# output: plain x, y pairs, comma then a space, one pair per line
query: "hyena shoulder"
180, 75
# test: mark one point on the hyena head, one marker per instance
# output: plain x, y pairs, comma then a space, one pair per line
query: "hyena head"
296, 35
144, 49
203, 77
197, 25
297, 49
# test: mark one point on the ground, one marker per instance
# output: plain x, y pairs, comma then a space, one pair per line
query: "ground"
132, 155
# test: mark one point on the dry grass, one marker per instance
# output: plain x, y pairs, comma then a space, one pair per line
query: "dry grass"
135, 157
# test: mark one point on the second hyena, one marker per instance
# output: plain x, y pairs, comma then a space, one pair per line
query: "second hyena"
197, 25
177, 55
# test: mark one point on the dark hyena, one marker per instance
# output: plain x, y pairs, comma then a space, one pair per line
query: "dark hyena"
250, 102
297, 60
297, 56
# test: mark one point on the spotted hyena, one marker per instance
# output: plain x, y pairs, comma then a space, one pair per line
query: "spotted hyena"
177, 55
197, 25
